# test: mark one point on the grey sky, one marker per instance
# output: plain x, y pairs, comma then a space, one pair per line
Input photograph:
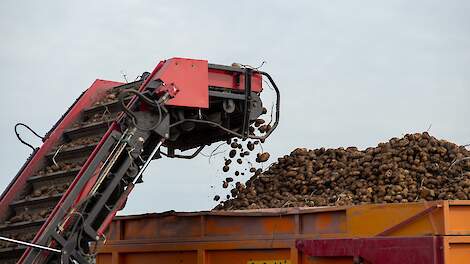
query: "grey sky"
350, 72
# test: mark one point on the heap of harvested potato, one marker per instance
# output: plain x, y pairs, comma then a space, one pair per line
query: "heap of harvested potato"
80, 142
416, 167
111, 96
61, 166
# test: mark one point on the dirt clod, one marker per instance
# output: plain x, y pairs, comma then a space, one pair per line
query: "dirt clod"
250, 146
262, 157
232, 153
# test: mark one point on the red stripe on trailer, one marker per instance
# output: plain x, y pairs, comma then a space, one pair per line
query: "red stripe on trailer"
390, 250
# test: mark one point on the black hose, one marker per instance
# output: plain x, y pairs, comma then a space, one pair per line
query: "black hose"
32, 131
141, 96
146, 100
278, 103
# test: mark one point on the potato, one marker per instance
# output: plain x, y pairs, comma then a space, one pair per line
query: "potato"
262, 157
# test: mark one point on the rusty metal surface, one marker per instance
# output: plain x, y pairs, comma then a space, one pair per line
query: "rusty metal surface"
252, 212
210, 237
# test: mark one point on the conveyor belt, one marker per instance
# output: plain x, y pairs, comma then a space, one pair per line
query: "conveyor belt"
44, 188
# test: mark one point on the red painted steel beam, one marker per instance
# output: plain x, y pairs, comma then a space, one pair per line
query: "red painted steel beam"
86, 100
18, 183
192, 79
390, 250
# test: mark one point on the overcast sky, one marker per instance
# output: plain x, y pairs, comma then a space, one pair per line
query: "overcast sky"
351, 73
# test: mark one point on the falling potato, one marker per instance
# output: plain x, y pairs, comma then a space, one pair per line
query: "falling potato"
250, 146
259, 122
232, 153
262, 157
263, 128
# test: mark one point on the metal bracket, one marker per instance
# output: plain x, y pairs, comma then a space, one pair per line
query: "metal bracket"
409, 220
246, 118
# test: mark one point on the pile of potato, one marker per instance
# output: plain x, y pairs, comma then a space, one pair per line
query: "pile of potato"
81, 142
416, 167
61, 166
110, 96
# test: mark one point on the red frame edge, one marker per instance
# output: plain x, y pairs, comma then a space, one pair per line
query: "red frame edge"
383, 250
